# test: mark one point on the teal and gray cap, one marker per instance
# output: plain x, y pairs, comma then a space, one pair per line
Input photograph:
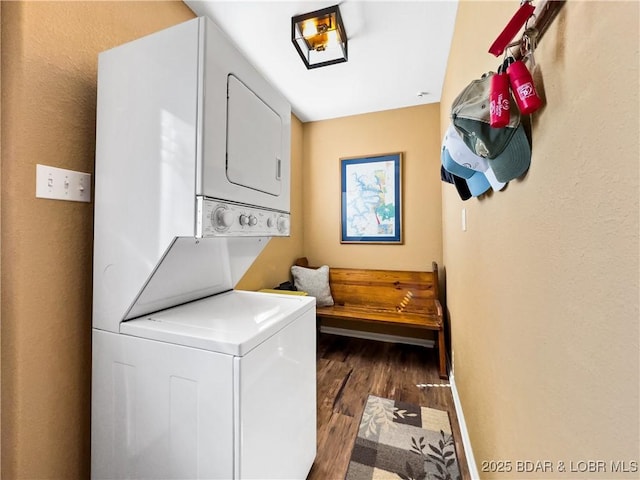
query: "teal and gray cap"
506, 149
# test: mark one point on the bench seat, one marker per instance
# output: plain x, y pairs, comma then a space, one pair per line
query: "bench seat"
391, 297
379, 315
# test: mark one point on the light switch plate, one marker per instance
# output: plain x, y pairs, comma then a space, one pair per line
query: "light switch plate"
60, 184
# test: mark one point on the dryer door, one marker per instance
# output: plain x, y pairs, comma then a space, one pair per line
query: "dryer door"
244, 132
255, 164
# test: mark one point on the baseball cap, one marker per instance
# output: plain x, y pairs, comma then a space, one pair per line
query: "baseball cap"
506, 149
476, 181
457, 158
460, 183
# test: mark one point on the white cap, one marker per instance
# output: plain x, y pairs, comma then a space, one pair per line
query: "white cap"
458, 159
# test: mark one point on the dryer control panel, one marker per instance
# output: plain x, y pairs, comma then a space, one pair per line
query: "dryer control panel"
219, 218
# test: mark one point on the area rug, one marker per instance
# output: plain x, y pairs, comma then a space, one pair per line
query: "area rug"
403, 441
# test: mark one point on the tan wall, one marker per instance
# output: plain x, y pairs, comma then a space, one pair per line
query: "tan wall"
273, 265
543, 286
414, 132
49, 59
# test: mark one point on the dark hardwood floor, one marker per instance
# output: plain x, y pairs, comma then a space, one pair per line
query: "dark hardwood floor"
349, 369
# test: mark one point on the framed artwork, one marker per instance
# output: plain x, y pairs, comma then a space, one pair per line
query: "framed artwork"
371, 200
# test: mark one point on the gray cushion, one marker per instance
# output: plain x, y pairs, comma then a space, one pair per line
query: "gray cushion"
315, 282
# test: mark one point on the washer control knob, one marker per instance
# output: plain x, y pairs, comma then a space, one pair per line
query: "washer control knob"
253, 220
222, 218
244, 219
270, 222
283, 224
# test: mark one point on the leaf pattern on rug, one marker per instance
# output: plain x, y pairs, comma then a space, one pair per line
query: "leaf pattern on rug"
441, 456
393, 442
379, 414
410, 475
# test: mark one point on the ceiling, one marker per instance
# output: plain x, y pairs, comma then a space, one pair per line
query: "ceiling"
398, 52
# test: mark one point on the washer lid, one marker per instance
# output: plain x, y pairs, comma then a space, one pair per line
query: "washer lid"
232, 323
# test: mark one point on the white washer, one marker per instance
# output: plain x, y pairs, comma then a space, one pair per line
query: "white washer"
215, 389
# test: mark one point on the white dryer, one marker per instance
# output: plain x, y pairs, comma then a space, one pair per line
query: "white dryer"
192, 379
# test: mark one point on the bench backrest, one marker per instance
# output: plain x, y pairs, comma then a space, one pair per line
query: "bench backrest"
399, 290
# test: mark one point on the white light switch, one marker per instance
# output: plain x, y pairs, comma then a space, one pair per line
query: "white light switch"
464, 219
61, 184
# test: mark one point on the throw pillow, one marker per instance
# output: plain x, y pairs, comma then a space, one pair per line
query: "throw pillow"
315, 282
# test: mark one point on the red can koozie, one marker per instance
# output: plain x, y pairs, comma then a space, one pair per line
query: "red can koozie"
499, 100
523, 88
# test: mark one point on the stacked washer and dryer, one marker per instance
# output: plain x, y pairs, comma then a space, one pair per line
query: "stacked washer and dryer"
191, 378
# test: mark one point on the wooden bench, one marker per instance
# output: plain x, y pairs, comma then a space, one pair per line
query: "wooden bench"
392, 297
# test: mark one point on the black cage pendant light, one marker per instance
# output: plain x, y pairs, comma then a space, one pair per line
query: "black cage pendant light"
319, 37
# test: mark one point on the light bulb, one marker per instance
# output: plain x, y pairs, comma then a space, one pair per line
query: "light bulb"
332, 38
309, 29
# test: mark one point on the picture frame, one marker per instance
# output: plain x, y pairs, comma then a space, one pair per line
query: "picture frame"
371, 199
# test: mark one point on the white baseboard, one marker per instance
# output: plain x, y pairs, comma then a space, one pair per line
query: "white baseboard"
466, 441
381, 337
